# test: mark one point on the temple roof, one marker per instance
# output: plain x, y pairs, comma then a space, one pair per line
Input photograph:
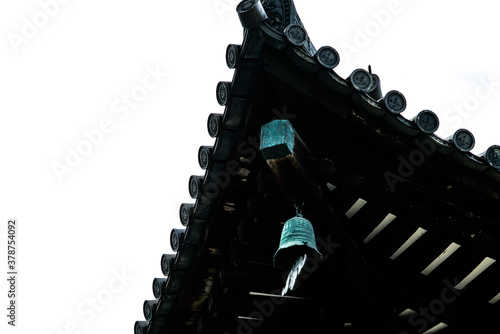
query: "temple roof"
407, 222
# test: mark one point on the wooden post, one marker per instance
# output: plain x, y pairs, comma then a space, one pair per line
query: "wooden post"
284, 152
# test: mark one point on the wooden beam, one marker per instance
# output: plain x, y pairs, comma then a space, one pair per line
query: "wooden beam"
285, 154
288, 159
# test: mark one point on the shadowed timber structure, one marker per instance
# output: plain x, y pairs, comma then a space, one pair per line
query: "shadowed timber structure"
407, 223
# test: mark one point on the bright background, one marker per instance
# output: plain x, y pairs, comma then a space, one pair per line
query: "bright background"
114, 211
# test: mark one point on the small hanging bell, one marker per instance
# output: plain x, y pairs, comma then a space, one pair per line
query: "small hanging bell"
297, 239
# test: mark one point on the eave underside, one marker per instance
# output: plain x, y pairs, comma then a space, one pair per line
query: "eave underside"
224, 281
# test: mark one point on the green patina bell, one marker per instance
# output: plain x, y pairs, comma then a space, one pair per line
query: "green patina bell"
297, 239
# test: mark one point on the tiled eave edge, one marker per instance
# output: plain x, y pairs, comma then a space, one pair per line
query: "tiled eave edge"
365, 104
224, 150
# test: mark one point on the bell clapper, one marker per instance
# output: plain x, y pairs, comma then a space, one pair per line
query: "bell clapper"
294, 273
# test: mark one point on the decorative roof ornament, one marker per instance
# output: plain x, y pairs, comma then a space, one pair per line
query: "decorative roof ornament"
295, 34
278, 13
427, 121
463, 139
195, 185
492, 156
167, 264
233, 56
141, 327
375, 91
223, 92
205, 156
328, 57
366, 82
214, 125
273, 15
251, 13
361, 80
158, 286
186, 213
148, 309
395, 102
177, 238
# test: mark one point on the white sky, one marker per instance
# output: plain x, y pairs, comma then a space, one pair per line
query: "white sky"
114, 211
